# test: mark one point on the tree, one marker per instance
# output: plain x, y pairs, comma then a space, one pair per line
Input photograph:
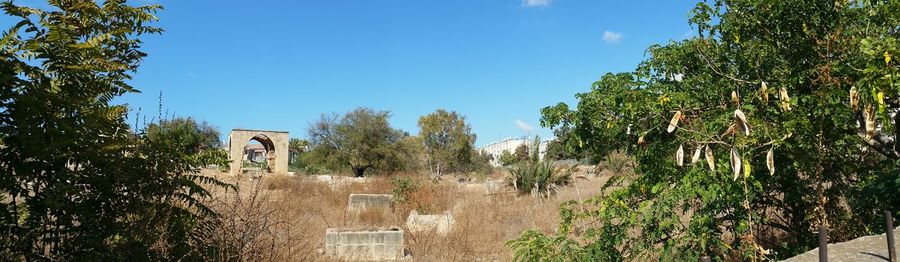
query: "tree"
522, 153
297, 145
201, 136
535, 147
564, 146
448, 141
78, 184
506, 158
361, 140
788, 108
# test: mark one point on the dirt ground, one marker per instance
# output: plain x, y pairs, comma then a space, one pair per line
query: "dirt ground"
284, 218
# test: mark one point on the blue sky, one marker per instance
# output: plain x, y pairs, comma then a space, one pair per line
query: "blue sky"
279, 64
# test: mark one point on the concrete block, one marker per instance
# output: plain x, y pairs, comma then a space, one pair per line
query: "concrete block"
363, 202
442, 224
489, 187
365, 245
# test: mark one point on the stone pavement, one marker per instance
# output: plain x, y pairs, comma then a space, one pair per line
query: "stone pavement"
863, 249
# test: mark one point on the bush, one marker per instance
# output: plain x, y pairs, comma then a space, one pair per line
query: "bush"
617, 162
537, 178
403, 187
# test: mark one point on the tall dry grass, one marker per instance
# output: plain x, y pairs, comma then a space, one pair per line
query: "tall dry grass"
284, 218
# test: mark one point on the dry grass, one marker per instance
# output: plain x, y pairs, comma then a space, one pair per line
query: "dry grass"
282, 218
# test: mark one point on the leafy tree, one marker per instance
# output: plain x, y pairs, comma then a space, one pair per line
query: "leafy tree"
361, 140
448, 141
522, 153
791, 105
80, 185
297, 145
535, 148
565, 146
298, 148
507, 158
200, 136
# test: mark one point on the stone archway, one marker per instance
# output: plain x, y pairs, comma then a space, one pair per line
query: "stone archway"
274, 142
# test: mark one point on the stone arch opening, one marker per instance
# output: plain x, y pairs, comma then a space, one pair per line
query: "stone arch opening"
262, 151
268, 146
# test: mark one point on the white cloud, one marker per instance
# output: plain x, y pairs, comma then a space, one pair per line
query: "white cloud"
522, 125
537, 2
612, 37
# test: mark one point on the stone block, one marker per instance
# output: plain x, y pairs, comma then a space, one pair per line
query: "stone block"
365, 245
441, 224
364, 202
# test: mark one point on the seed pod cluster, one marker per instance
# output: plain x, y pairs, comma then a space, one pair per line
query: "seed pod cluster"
764, 92
854, 99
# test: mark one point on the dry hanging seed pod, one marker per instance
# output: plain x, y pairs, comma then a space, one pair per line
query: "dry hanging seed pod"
710, 160
764, 92
770, 161
869, 115
742, 121
728, 131
679, 156
696, 155
674, 122
735, 163
854, 99
735, 99
785, 99
641, 140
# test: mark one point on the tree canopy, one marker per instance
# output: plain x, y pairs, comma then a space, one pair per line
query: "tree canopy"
448, 141
200, 135
360, 140
78, 183
777, 118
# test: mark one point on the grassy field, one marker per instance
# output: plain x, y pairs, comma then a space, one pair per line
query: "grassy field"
284, 218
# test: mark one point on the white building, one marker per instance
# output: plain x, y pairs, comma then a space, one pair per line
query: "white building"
255, 153
495, 149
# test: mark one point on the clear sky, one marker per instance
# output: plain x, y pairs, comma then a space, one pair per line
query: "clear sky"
279, 64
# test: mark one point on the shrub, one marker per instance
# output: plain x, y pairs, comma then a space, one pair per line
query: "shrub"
617, 161
537, 178
403, 187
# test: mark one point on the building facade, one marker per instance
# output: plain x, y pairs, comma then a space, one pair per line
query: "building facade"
495, 149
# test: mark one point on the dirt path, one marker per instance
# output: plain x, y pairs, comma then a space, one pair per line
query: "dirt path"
863, 249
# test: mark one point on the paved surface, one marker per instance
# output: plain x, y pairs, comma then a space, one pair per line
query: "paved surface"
863, 249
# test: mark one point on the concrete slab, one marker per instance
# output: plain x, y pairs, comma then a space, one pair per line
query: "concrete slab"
364, 202
441, 224
365, 245
867, 248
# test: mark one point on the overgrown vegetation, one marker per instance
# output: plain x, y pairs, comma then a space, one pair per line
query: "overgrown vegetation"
778, 118
448, 141
531, 175
564, 147
78, 183
362, 140
538, 178
404, 186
